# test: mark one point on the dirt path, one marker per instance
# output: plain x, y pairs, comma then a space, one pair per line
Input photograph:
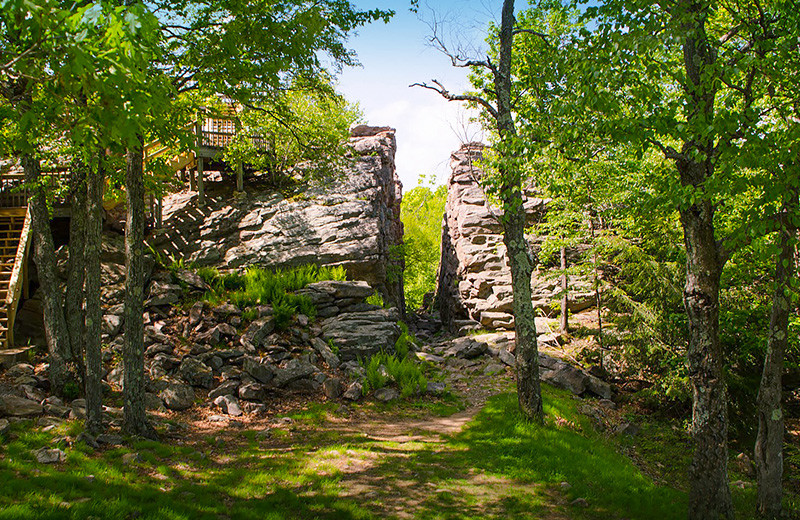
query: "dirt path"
407, 468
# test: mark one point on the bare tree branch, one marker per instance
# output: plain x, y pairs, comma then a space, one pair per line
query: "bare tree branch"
438, 87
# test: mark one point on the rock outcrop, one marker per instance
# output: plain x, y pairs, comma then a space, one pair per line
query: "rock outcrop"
353, 221
474, 282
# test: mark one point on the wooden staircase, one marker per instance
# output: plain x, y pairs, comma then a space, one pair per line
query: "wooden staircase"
212, 134
14, 243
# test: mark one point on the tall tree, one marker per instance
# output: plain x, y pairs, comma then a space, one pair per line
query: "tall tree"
687, 78
94, 312
496, 102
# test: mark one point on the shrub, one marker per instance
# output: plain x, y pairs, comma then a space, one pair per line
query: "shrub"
399, 368
421, 213
263, 287
375, 299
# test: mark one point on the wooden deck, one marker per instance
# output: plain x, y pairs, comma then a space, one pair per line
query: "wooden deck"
212, 134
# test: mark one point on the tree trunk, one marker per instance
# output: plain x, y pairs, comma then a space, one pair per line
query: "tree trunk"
94, 313
769, 443
527, 355
709, 494
709, 491
564, 324
135, 417
74, 312
55, 325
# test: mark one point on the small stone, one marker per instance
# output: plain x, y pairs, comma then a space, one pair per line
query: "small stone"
229, 404
494, 369
579, 502
109, 439
116, 376
608, 404
196, 373
177, 396
252, 392
217, 418
260, 369
88, 440
130, 458
50, 456
226, 388
386, 394
191, 279
332, 387
253, 408
436, 387
19, 406
354, 392
4, 426
627, 428
196, 313
18, 370
565, 486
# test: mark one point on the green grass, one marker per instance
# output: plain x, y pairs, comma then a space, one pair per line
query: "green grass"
497, 467
566, 450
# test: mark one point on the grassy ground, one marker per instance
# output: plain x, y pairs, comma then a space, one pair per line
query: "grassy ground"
412, 460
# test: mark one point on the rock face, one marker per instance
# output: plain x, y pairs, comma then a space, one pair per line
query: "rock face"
474, 280
352, 221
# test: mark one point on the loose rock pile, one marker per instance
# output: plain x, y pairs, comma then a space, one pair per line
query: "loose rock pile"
464, 350
243, 365
210, 354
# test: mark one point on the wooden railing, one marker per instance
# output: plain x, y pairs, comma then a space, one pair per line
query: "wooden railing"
18, 280
14, 193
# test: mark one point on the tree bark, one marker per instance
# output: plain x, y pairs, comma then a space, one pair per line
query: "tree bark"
527, 355
769, 442
94, 313
709, 494
55, 325
135, 417
709, 491
74, 311
564, 324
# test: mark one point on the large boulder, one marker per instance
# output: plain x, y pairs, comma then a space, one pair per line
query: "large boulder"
19, 406
474, 276
196, 373
351, 220
177, 396
359, 335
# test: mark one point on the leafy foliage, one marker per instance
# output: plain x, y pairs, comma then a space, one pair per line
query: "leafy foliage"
258, 286
400, 368
305, 134
421, 213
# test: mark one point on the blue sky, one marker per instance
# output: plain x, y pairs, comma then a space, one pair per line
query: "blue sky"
396, 54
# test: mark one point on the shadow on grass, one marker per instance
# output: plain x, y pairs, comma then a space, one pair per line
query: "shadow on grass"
164, 482
497, 467
501, 467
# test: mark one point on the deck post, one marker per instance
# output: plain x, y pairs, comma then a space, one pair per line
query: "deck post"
239, 166
25, 282
160, 212
192, 183
152, 208
201, 195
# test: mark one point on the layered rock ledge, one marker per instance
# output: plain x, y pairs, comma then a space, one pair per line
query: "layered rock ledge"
474, 281
352, 220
